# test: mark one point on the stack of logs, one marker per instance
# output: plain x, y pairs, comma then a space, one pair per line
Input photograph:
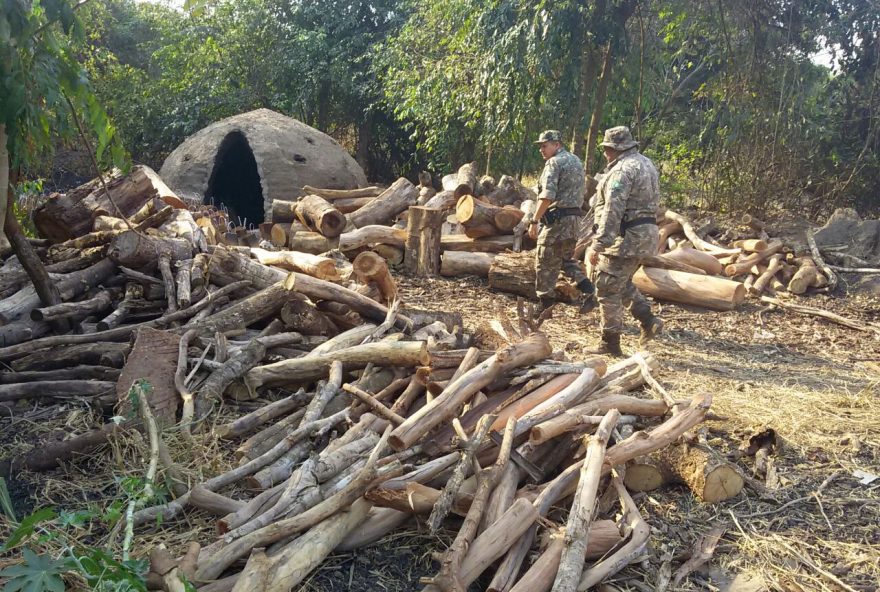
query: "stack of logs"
356, 413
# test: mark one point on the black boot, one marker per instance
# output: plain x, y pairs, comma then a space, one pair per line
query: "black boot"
609, 346
650, 329
589, 302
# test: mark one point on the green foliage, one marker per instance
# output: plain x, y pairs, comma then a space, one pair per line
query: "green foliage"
6, 501
27, 527
38, 573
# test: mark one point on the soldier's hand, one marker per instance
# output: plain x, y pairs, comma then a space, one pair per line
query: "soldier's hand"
592, 256
533, 231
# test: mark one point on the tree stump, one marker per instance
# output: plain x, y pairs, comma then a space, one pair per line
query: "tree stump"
422, 255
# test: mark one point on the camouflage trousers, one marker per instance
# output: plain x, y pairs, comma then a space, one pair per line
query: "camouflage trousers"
555, 252
615, 291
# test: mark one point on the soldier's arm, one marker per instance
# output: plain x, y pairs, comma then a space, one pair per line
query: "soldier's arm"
549, 185
619, 185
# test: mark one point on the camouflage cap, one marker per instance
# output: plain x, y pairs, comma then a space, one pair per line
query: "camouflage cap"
549, 136
619, 138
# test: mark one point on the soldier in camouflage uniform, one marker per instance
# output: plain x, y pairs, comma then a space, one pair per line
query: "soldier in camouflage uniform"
559, 211
627, 199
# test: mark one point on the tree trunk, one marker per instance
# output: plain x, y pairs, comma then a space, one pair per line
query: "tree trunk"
311, 242
132, 249
598, 108
322, 268
372, 235
422, 255
458, 263
474, 214
318, 214
588, 67
387, 205
68, 216
686, 288
466, 181
445, 200
4, 186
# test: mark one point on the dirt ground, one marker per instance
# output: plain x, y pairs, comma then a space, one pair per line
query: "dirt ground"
811, 526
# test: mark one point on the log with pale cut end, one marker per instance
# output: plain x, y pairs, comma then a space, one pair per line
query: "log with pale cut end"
320, 215
388, 204
320, 267
515, 273
422, 255
646, 473
370, 267
711, 478
753, 222
768, 275
337, 194
458, 263
461, 242
698, 259
507, 219
280, 233
686, 288
466, 181
666, 231
138, 250
751, 245
805, 277
283, 211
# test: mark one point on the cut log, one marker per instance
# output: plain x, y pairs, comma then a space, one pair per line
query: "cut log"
422, 256
372, 235
68, 216
507, 219
686, 288
282, 232
311, 242
661, 262
300, 315
83, 308
666, 231
466, 179
140, 251
60, 389
394, 200
773, 266
697, 241
479, 217
457, 263
337, 194
320, 215
510, 192
515, 273
352, 204
805, 277
751, 245
369, 267
283, 211
699, 259
153, 358
103, 223
408, 354
392, 255
50, 454
444, 200
461, 242
711, 478
322, 268
753, 222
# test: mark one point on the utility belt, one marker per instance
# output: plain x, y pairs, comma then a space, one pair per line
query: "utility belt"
624, 226
554, 215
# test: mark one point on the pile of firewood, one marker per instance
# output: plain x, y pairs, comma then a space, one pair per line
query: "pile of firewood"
368, 412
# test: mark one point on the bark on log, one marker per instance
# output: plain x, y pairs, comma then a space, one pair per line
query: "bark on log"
139, 251
751, 245
685, 288
514, 273
320, 215
336, 194
82, 308
384, 353
422, 256
59, 389
300, 315
71, 215
322, 268
711, 478
283, 211
372, 235
466, 181
534, 348
510, 192
93, 354
282, 233
153, 357
763, 281
574, 417
249, 422
475, 214
247, 311
744, 264
458, 263
50, 454
394, 200
697, 241
805, 277
461, 242
352, 204
508, 218
698, 259
670, 264
444, 200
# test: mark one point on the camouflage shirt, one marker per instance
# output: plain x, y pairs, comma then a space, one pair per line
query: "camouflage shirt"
562, 181
629, 189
